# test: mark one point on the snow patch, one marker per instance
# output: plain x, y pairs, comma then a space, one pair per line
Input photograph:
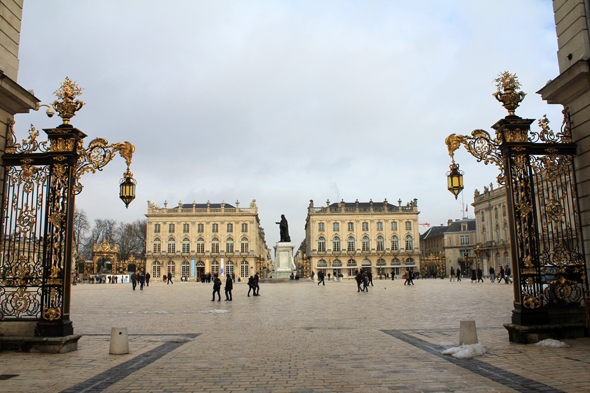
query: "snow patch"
552, 343
215, 311
466, 351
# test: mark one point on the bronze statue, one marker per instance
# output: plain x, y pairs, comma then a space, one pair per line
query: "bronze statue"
284, 228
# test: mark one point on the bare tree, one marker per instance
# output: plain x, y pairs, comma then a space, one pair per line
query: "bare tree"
81, 227
140, 232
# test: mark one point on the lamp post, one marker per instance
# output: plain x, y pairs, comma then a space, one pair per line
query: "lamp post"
43, 178
455, 179
537, 169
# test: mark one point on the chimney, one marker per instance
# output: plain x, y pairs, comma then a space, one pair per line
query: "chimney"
450, 221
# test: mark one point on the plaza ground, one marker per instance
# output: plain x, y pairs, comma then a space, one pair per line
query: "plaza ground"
296, 337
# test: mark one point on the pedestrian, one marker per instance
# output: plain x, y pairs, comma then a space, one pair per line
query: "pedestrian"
458, 273
256, 285
473, 275
502, 275
216, 288
365, 282
508, 272
370, 278
233, 276
141, 279
492, 272
312, 275
251, 286
147, 279
170, 278
229, 285
479, 274
321, 278
359, 280
133, 280
411, 277
452, 274
392, 275
406, 274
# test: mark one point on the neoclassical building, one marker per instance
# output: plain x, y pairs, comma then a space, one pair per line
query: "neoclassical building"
192, 239
493, 234
343, 237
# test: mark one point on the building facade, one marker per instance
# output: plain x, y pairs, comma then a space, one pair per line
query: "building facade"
379, 237
455, 242
493, 234
191, 240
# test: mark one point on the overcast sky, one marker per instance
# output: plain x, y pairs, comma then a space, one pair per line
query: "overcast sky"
286, 101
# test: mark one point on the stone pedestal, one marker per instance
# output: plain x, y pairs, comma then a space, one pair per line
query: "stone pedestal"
284, 264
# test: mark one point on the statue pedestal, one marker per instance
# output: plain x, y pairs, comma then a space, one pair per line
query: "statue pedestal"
284, 265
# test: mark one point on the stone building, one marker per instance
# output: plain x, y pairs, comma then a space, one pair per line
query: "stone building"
456, 241
493, 234
193, 239
571, 88
343, 237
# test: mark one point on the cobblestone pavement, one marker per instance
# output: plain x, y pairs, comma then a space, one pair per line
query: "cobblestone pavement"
296, 337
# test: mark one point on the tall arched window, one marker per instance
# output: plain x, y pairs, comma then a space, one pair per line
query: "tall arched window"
336, 244
171, 267
381, 262
394, 243
505, 230
350, 242
215, 267
186, 268
484, 234
215, 246
322, 263
321, 244
337, 263
200, 245
229, 245
409, 243
497, 232
366, 243
171, 245
156, 269
244, 269
186, 245
244, 245
380, 243
157, 246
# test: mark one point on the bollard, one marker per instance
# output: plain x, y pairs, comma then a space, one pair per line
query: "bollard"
468, 333
119, 341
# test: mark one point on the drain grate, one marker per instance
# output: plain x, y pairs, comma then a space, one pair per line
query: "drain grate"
4, 377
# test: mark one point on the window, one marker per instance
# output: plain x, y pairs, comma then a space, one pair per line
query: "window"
350, 227
186, 268
322, 244
244, 245
200, 245
350, 244
321, 227
503, 210
215, 267
395, 261
394, 243
171, 267
186, 245
244, 269
200, 228
483, 217
484, 234
185, 228
336, 244
408, 225
410, 261
450, 240
214, 228
157, 246
505, 230
464, 239
171, 246
365, 226
156, 228
463, 227
229, 245
156, 269
244, 227
351, 262
170, 228
381, 262
230, 268
394, 225
366, 244
322, 263
380, 243
496, 213
336, 226
507, 258
497, 232
409, 243
215, 246
379, 226
366, 262
230, 228
337, 263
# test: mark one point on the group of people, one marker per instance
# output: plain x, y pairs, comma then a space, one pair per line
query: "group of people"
477, 274
253, 285
141, 279
363, 279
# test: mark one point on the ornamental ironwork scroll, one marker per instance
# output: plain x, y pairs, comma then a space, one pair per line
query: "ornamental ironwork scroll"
537, 169
37, 205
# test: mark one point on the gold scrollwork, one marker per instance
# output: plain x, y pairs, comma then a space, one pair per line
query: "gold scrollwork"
51, 314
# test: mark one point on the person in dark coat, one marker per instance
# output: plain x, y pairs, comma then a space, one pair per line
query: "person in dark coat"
479, 274
169, 279
256, 285
459, 273
251, 285
365, 282
370, 278
141, 279
321, 278
473, 276
492, 272
147, 279
134, 280
452, 273
359, 280
229, 285
216, 288
502, 276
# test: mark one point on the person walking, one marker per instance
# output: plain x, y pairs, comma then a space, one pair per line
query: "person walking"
365, 282
458, 273
134, 280
251, 285
229, 285
406, 276
473, 276
141, 279
392, 275
508, 272
359, 280
479, 274
321, 278
452, 274
256, 285
502, 275
370, 278
410, 277
492, 272
216, 288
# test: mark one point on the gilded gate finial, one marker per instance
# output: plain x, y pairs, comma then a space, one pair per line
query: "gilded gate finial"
66, 105
507, 85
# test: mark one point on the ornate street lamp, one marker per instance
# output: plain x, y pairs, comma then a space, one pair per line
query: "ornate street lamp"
127, 188
455, 179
